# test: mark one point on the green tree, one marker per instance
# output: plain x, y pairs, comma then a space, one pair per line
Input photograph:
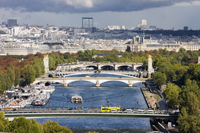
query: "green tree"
1, 90
56, 57
67, 55
94, 51
4, 81
51, 63
172, 93
159, 78
98, 59
188, 123
164, 52
39, 63
54, 127
17, 77
23, 125
11, 74
3, 122
38, 71
194, 72
29, 74
145, 65
190, 101
191, 86
179, 72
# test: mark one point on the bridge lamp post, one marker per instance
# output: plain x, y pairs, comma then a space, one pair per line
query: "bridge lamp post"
122, 101
135, 103
63, 101
92, 100
34, 102
107, 101
49, 103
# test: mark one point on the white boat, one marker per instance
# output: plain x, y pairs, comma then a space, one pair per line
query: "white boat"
49, 89
41, 100
76, 99
10, 91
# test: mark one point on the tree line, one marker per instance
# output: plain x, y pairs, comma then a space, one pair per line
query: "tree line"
23, 125
181, 73
13, 71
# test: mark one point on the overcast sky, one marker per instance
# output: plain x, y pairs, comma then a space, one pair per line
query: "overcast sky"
165, 14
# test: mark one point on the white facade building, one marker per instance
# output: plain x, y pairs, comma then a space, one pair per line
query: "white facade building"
144, 22
123, 27
114, 27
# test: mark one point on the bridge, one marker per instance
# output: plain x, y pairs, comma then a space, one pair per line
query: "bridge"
124, 73
96, 80
99, 66
31, 113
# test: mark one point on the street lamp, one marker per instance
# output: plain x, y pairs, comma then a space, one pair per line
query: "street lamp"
137, 104
34, 103
107, 101
92, 100
63, 101
122, 101
49, 103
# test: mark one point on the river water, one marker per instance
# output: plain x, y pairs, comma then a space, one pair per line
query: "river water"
112, 93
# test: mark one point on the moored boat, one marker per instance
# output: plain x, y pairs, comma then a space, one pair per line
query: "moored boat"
41, 100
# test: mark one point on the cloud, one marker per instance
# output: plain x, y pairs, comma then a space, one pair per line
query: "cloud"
86, 6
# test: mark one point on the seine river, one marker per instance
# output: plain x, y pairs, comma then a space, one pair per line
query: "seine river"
112, 93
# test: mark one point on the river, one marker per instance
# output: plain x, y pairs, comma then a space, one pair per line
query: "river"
112, 93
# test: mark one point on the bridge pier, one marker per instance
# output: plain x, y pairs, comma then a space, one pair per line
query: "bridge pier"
98, 67
65, 84
130, 84
133, 66
97, 83
115, 66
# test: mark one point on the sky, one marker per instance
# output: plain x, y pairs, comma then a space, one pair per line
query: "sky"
166, 14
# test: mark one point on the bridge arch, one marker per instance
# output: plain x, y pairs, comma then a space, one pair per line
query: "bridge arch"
80, 82
107, 67
113, 83
124, 67
92, 66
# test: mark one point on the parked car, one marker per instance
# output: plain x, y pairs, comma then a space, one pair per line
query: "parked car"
128, 111
113, 111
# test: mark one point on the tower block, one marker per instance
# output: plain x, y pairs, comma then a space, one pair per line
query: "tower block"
46, 63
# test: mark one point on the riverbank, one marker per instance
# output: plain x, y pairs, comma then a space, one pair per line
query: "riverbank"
151, 99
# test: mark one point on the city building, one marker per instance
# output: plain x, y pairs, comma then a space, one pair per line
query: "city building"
114, 27
144, 22
123, 27
185, 28
4, 23
87, 22
11, 22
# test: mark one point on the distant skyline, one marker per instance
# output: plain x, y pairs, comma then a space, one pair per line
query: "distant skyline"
166, 14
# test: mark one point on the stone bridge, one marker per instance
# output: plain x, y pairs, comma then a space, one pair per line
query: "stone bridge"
96, 80
100, 66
